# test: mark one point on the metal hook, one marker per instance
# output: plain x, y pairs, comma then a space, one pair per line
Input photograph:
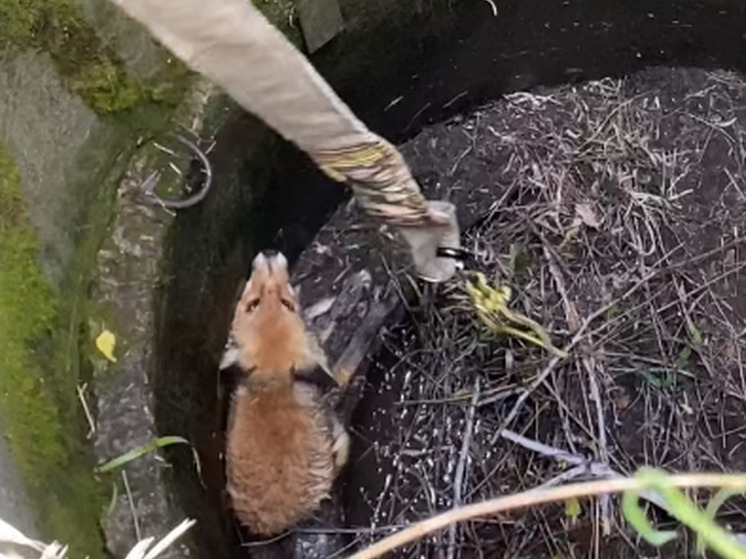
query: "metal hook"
149, 184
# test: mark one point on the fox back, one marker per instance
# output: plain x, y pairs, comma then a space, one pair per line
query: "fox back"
285, 445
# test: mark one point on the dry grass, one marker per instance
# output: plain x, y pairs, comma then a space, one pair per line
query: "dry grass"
618, 225
15, 545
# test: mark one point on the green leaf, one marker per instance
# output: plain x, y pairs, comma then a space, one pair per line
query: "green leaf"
518, 259
684, 356
136, 453
572, 508
696, 337
612, 312
712, 509
637, 518
684, 510
113, 501
660, 378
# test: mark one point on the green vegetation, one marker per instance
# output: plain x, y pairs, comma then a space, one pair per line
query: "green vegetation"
87, 67
28, 310
40, 408
92, 69
135, 453
59, 28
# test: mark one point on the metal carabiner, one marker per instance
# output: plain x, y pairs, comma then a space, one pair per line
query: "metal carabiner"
461, 255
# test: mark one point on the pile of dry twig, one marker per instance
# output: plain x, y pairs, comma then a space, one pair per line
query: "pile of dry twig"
618, 221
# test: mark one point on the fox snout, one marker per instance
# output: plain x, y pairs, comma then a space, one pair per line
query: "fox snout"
269, 260
269, 270
268, 333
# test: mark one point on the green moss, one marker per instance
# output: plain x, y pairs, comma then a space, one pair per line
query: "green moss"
59, 28
17, 20
87, 67
43, 425
93, 70
94, 84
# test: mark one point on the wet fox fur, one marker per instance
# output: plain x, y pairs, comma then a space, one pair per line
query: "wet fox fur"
285, 445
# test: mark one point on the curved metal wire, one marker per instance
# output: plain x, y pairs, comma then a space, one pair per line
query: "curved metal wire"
149, 184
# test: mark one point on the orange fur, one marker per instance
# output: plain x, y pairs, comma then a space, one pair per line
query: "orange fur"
272, 337
284, 446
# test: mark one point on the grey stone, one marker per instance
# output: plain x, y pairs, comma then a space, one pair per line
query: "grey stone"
320, 20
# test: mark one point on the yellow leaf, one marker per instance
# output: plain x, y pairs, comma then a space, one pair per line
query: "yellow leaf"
572, 508
105, 343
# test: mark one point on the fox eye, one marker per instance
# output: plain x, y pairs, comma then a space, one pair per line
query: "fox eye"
288, 305
252, 305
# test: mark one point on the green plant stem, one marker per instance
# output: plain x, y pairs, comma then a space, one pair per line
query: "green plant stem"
538, 497
684, 510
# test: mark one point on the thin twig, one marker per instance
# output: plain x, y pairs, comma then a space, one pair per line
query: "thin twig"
583, 467
131, 501
86, 411
603, 450
579, 335
543, 449
462, 467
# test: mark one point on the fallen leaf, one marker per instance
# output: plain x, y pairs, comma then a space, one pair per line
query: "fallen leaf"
612, 312
696, 336
570, 234
572, 508
573, 317
622, 402
587, 215
106, 342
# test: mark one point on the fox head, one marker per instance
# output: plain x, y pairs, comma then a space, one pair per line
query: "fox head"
268, 335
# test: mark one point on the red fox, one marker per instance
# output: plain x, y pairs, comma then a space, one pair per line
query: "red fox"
285, 445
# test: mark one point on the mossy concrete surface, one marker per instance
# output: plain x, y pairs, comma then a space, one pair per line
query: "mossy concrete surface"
128, 274
83, 92
80, 88
100, 55
39, 426
59, 28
